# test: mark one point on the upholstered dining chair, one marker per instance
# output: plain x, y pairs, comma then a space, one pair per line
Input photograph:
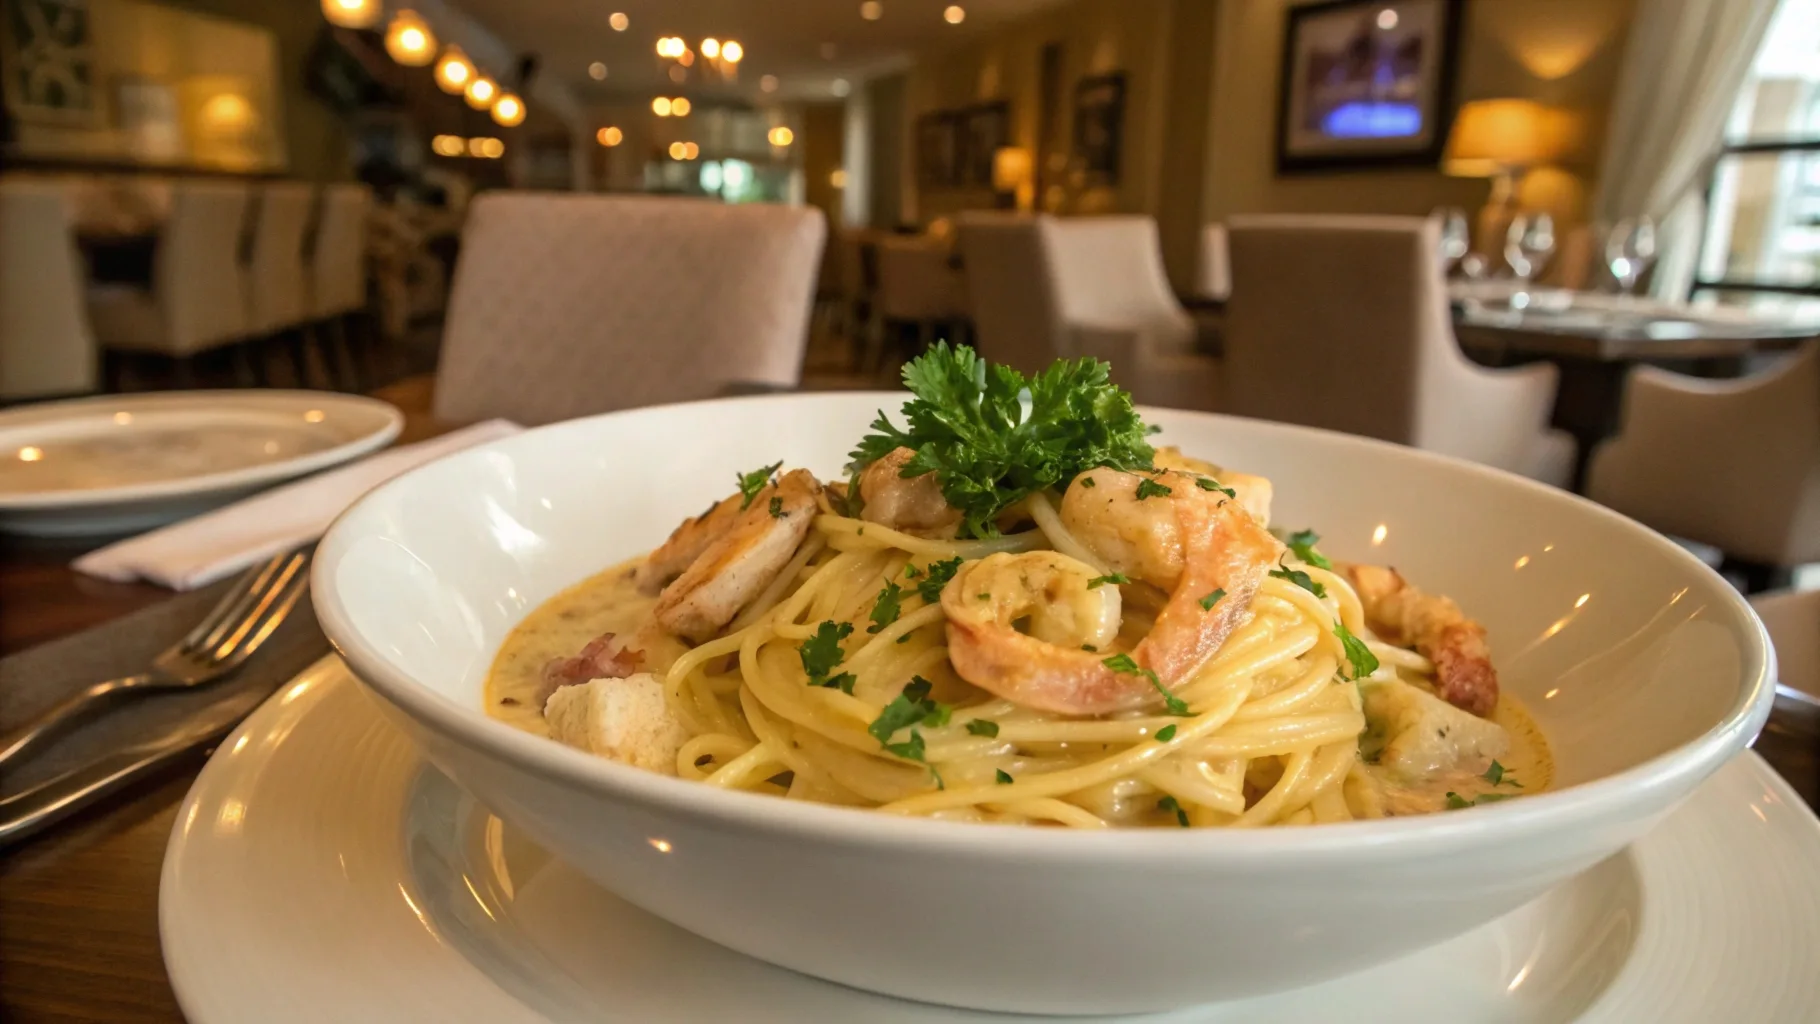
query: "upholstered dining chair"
565, 305
1730, 463
336, 275
1343, 323
1044, 288
921, 295
276, 288
1793, 620
197, 298
46, 346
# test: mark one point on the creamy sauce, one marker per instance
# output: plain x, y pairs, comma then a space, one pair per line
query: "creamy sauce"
559, 628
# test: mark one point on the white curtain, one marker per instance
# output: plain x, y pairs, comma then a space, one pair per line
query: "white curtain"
1683, 67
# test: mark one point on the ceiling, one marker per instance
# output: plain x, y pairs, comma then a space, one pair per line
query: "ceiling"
807, 44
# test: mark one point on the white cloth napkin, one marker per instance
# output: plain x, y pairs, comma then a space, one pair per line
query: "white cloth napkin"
199, 551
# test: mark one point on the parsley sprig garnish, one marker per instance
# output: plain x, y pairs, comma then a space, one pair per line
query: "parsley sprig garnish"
1302, 543
821, 654
1123, 664
751, 483
1358, 655
967, 424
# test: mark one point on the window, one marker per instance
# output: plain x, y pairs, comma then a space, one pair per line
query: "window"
1762, 242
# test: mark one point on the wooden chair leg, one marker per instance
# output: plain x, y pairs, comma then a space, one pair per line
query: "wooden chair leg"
300, 357
346, 359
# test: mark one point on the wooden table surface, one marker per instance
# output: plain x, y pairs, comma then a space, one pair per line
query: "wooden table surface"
79, 903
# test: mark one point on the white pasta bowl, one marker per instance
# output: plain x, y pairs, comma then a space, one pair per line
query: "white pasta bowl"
1643, 668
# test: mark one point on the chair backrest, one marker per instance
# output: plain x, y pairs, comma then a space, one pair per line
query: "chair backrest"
1793, 620
277, 291
916, 281
197, 270
46, 346
1109, 271
1339, 322
1017, 307
1213, 276
338, 259
566, 305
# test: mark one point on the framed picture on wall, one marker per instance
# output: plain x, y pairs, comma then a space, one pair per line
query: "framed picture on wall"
938, 149
1099, 127
49, 62
987, 130
1367, 83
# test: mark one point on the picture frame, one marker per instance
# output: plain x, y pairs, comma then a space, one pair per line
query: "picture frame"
986, 130
49, 62
938, 149
1099, 127
1367, 84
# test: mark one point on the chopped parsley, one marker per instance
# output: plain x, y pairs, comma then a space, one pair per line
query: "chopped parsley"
1099, 581
1004, 777
777, 507
911, 571
1123, 664
909, 708
1496, 775
1088, 483
1151, 489
1090, 647
1170, 804
1358, 655
751, 483
1456, 802
887, 608
1302, 543
1166, 733
822, 654
1209, 484
905, 638
937, 577
1212, 599
983, 727
993, 436
910, 750
1300, 579
940, 716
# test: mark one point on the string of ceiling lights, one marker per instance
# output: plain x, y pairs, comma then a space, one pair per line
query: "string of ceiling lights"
410, 41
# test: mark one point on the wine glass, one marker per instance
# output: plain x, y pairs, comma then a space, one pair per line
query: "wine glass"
1528, 244
1629, 250
1456, 237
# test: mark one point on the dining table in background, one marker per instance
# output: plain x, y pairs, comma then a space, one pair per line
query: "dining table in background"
79, 903
1596, 348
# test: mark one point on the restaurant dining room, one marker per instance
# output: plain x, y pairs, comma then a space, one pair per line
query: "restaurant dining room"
499, 498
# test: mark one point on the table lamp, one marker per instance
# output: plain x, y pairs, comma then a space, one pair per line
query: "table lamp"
1502, 139
1011, 171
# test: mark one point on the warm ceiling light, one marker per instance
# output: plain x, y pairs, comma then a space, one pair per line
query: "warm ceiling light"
453, 71
768, 83
838, 178
661, 106
732, 52
954, 15
409, 40
597, 71
476, 146
691, 151
871, 10
494, 149
710, 47
679, 107
1387, 19
610, 136
781, 136
840, 87
619, 21
677, 150
672, 47
508, 111
448, 145
481, 92
351, 13
686, 59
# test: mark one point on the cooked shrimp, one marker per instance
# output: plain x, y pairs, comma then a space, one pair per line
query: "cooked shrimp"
1189, 542
742, 560
1253, 492
1436, 627
912, 504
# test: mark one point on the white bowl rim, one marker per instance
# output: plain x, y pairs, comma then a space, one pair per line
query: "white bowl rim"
387, 424
1655, 780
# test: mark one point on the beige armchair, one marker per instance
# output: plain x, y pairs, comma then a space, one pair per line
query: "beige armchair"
197, 300
565, 305
46, 347
1343, 323
1731, 463
1793, 620
1044, 288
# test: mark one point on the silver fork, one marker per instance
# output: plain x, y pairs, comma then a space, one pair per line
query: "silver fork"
248, 614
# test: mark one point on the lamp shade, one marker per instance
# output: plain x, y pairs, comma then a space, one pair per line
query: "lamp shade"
1490, 136
1011, 167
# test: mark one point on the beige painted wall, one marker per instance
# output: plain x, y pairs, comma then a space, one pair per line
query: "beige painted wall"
1559, 52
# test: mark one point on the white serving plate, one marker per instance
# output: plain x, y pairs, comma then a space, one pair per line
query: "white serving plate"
320, 870
119, 463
